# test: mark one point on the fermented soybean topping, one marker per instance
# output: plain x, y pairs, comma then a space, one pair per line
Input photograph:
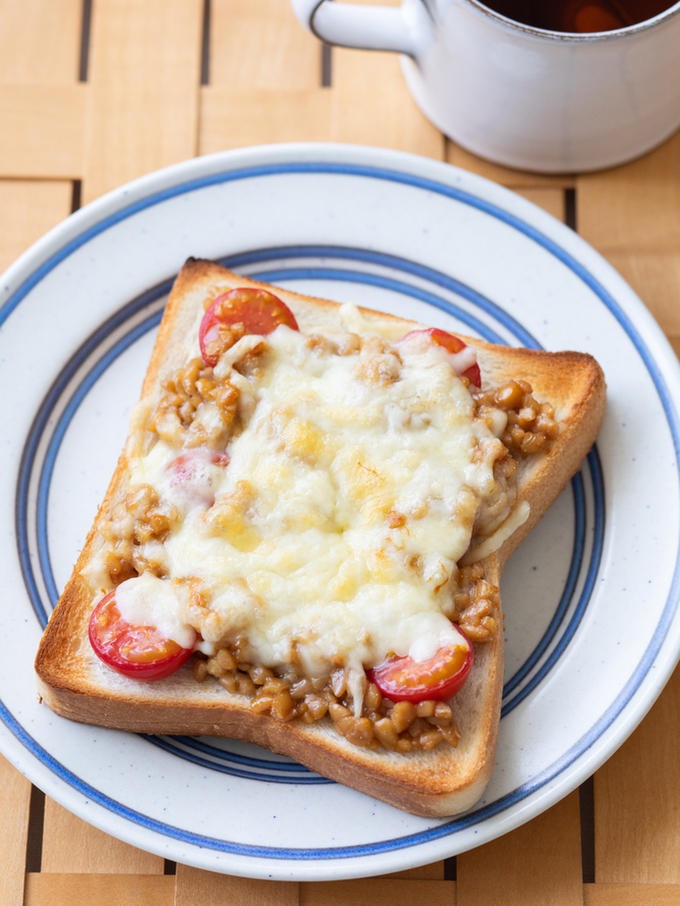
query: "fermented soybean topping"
352, 491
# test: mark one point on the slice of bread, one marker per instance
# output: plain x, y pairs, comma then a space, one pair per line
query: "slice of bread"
439, 782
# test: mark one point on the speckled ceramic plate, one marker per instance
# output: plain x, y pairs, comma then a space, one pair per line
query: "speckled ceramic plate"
78, 314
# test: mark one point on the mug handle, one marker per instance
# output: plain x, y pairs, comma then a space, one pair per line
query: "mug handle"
363, 27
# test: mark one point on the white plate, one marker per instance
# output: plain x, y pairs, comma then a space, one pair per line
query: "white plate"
591, 598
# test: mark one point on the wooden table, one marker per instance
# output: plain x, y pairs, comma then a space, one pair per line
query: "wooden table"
96, 92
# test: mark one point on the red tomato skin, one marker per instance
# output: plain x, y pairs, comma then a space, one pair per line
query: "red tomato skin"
420, 686
452, 344
258, 310
191, 474
107, 648
184, 467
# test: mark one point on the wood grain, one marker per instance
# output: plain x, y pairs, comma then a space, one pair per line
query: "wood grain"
631, 894
207, 888
15, 796
538, 863
72, 845
261, 45
28, 209
372, 105
40, 41
46, 126
43, 889
239, 117
550, 198
514, 179
636, 208
265, 79
377, 892
145, 72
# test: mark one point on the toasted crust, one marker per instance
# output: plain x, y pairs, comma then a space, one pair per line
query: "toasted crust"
444, 781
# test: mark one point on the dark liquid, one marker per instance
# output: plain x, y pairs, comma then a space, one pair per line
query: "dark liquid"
579, 15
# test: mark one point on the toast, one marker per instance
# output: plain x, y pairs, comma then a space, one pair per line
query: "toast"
437, 778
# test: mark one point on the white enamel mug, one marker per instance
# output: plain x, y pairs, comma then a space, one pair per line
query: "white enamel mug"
518, 95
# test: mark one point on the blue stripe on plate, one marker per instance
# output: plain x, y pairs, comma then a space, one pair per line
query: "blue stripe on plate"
222, 766
347, 276
40, 423
584, 599
269, 763
565, 600
483, 303
83, 389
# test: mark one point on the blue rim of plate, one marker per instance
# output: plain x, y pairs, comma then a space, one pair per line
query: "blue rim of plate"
582, 745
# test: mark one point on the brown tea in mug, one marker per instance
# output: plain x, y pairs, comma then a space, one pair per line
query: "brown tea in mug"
582, 16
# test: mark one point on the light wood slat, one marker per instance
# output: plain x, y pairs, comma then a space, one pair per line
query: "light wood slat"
631, 894
206, 888
261, 45
372, 105
28, 209
235, 118
40, 41
378, 892
634, 209
43, 128
550, 198
433, 872
232, 118
108, 890
637, 801
536, 864
15, 796
145, 70
514, 179
72, 845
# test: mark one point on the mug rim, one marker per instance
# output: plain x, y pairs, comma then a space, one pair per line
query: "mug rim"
578, 37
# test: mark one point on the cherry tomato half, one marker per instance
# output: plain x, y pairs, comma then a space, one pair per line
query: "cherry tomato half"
452, 344
195, 474
259, 311
187, 467
401, 679
139, 652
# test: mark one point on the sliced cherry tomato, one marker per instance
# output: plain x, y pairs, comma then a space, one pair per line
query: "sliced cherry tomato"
452, 344
187, 466
402, 679
140, 652
195, 474
259, 311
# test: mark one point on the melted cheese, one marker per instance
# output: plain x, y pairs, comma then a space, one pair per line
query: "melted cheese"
333, 535
149, 601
